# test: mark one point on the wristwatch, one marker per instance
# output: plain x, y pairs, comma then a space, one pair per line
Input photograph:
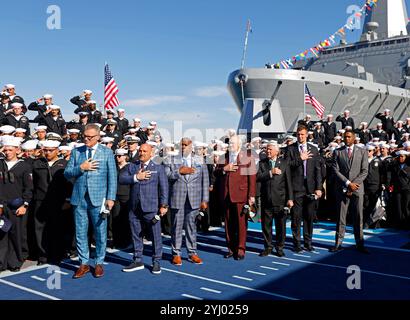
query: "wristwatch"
25, 204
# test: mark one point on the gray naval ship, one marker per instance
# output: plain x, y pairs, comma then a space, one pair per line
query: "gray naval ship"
365, 77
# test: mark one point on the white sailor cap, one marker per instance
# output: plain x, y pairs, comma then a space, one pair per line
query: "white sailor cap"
308, 116
137, 120
39, 128
406, 134
65, 148
7, 129
385, 146
387, 110
393, 146
17, 105
199, 144
153, 123
272, 143
392, 141
92, 102
29, 145
347, 111
22, 130
310, 132
121, 152
379, 124
224, 145
10, 141
338, 138
364, 123
53, 136
132, 130
9, 86
357, 138
170, 145
78, 144
5, 94
47, 96
102, 134
400, 121
318, 124
73, 131
150, 127
86, 91
54, 107
348, 128
342, 131
256, 139
407, 119
111, 121
107, 140
99, 125
121, 110
218, 153
403, 153
406, 144
152, 143
132, 139
231, 132
330, 115
375, 139
50, 144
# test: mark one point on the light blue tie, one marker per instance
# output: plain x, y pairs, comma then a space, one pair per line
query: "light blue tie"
272, 163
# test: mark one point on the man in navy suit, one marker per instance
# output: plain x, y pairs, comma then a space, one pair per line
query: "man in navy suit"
148, 201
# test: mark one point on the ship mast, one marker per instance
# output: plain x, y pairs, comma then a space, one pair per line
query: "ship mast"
245, 47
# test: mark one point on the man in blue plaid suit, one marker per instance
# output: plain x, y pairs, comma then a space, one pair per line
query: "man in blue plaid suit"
189, 192
148, 202
92, 167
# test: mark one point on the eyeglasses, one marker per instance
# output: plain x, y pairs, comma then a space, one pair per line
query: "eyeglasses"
90, 137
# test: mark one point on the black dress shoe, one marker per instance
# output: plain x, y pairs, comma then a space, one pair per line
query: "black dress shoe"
228, 255
336, 249
240, 257
265, 252
297, 249
40, 263
15, 269
280, 253
362, 249
309, 248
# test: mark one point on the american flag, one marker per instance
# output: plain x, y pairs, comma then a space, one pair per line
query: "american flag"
110, 91
309, 99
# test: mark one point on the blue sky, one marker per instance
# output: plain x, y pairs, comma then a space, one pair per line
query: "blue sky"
171, 59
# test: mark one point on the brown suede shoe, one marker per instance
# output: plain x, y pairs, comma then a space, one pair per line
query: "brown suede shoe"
99, 271
176, 260
81, 271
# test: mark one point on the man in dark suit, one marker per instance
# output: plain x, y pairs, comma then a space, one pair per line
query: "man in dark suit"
346, 120
304, 161
276, 193
387, 121
238, 188
350, 165
148, 198
364, 133
380, 133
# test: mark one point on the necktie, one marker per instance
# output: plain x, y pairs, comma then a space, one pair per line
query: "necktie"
184, 162
90, 154
349, 153
272, 163
142, 166
302, 149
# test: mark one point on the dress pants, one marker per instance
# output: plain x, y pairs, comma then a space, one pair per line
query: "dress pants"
84, 212
184, 219
402, 208
355, 205
11, 255
138, 220
369, 203
268, 214
236, 226
304, 209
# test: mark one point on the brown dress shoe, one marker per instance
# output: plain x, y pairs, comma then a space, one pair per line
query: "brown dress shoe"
81, 271
99, 271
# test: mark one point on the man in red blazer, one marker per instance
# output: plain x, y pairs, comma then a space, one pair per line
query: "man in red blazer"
238, 188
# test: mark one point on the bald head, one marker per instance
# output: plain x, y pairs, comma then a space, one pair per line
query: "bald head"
145, 152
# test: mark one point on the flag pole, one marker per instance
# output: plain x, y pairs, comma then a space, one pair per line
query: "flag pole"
304, 101
245, 47
103, 105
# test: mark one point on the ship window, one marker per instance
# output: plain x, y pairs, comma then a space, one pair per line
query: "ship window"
376, 44
348, 49
363, 46
390, 42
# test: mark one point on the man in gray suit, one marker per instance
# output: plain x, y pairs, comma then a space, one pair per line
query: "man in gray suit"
350, 166
189, 191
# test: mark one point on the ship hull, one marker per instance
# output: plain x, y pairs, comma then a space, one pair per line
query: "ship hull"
363, 98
